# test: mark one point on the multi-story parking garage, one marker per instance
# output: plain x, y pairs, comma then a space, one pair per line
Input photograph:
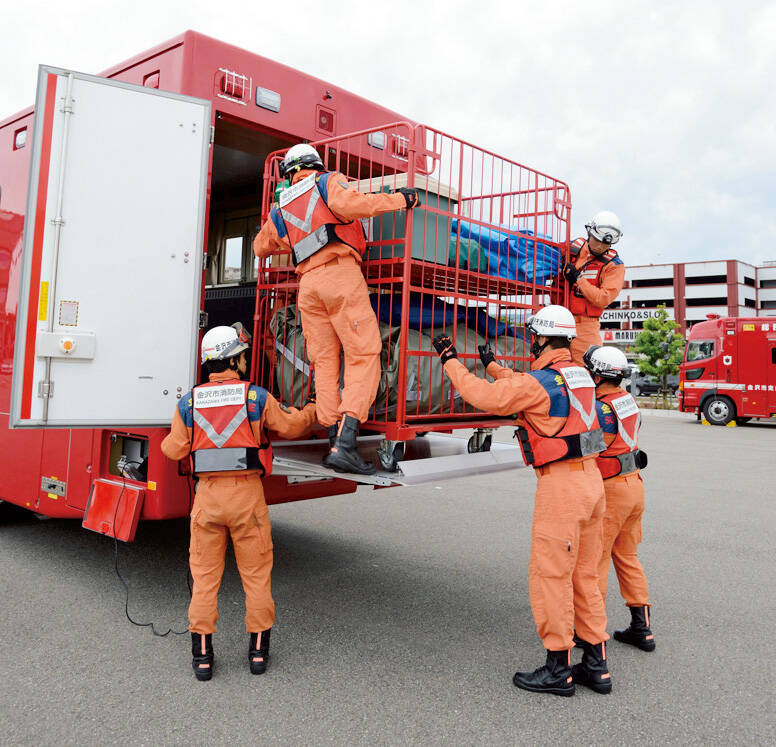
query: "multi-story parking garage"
690, 291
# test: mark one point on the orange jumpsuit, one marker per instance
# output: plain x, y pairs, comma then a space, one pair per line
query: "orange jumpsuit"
598, 291
232, 504
334, 305
568, 510
622, 520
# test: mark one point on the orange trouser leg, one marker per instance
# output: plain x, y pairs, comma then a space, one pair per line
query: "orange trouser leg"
341, 290
323, 348
230, 504
622, 534
565, 547
588, 333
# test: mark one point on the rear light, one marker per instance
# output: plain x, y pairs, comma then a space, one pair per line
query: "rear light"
324, 120
20, 138
232, 86
376, 140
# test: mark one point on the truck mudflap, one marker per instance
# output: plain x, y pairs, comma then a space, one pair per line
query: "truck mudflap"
426, 459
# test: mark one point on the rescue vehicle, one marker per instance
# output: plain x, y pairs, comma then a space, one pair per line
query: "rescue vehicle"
728, 375
128, 202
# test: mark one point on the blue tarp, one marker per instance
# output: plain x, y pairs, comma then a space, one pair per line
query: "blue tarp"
510, 252
426, 311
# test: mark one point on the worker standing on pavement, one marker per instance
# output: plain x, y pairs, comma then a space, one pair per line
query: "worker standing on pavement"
560, 436
317, 218
223, 425
595, 275
619, 465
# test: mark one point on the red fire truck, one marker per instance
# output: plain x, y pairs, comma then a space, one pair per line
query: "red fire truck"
729, 370
128, 203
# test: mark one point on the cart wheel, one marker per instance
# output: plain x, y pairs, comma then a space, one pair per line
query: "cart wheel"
472, 447
486, 442
719, 410
389, 461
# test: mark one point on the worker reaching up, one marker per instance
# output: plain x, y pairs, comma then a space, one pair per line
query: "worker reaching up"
596, 275
223, 425
560, 436
317, 218
619, 465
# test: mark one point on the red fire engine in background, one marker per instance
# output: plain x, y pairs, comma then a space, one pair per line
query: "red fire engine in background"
142, 190
729, 370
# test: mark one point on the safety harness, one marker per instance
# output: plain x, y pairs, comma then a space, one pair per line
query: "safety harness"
222, 437
591, 271
572, 397
303, 215
619, 414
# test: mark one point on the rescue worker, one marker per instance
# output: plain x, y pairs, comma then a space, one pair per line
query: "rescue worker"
560, 436
317, 218
223, 425
619, 465
596, 275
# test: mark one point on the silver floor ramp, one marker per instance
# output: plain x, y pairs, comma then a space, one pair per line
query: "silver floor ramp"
429, 458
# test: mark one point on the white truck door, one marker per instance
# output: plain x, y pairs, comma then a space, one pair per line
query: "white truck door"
110, 290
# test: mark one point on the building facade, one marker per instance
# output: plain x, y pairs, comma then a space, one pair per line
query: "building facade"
690, 291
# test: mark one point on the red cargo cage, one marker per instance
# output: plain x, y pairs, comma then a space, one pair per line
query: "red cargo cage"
473, 261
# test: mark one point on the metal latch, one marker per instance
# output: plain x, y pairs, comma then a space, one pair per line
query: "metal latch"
212, 134
50, 485
203, 317
45, 389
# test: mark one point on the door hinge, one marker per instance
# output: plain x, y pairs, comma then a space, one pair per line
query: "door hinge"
45, 389
212, 133
203, 317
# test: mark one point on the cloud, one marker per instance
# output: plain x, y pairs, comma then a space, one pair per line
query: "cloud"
661, 112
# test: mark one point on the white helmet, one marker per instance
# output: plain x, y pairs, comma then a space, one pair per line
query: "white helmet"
605, 226
301, 156
606, 361
553, 321
221, 343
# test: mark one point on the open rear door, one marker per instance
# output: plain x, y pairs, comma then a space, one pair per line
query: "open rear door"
110, 290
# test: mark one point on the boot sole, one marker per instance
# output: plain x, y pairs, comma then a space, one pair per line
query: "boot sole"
202, 677
564, 692
601, 689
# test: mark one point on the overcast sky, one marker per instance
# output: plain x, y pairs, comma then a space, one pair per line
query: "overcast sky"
663, 112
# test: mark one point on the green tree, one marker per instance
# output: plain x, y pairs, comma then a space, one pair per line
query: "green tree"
660, 350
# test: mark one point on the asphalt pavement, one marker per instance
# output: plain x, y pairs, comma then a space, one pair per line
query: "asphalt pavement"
402, 614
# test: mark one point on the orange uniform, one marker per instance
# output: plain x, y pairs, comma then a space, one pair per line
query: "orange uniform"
232, 504
599, 284
624, 508
334, 304
568, 509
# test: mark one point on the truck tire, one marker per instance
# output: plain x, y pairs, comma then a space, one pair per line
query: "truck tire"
719, 410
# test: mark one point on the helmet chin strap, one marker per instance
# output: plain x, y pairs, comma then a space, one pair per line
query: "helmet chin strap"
537, 349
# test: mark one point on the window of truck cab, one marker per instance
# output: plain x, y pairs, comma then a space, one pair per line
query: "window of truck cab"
698, 350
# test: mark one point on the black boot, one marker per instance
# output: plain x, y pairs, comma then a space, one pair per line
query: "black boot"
592, 671
343, 456
554, 677
638, 633
332, 429
202, 653
258, 655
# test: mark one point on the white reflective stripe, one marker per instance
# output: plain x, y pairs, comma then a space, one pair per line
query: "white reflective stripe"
713, 384
303, 225
631, 443
219, 439
297, 362
588, 418
310, 244
289, 194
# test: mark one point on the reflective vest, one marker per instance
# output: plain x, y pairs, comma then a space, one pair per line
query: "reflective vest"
222, 439
618, 413
304, 217
591, 271
572, 397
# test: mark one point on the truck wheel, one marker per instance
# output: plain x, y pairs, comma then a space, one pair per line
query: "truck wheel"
719, 410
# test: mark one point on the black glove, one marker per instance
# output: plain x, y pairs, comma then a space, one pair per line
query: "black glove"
310, 397
571, 273
411, 196
486, 354
444, 346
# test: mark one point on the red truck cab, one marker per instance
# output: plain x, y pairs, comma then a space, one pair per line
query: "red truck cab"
729, 370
